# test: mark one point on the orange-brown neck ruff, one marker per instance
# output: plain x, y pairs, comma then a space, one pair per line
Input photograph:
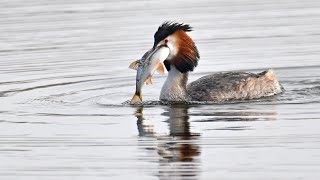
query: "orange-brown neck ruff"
187, 56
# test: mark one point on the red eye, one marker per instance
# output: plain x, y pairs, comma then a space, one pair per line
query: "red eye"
166, 40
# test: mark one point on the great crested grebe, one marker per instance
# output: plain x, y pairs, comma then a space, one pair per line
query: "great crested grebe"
183, 58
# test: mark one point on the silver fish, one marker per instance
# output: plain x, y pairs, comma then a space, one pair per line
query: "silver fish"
146, 66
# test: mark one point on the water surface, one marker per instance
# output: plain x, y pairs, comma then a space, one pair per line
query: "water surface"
64, 76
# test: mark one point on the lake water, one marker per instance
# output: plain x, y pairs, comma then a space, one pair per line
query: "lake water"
64, 77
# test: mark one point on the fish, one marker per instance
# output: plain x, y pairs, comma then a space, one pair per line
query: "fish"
150, 62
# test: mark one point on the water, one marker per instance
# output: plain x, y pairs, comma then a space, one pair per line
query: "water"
64, 78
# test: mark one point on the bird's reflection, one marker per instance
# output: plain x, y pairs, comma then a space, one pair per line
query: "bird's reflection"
179, 150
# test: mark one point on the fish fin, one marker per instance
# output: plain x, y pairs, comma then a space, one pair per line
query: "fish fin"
134, 65
160, 68
136, 98
149, 80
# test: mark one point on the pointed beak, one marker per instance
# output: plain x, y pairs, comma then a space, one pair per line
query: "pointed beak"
155, 46
164, 45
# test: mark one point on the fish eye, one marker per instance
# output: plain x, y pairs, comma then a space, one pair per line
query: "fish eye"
166, 40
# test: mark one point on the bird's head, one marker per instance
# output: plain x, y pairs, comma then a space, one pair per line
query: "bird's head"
183, 54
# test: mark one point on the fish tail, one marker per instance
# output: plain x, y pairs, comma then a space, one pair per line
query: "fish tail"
136, 98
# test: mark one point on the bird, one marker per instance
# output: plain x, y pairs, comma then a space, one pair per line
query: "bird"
222, 86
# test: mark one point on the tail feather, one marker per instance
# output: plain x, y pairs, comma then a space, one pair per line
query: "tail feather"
136, 98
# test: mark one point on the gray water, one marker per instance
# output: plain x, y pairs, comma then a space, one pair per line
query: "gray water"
64, 78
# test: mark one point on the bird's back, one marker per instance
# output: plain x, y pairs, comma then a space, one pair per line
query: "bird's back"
234, 86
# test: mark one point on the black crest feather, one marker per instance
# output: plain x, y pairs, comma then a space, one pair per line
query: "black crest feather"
168, 28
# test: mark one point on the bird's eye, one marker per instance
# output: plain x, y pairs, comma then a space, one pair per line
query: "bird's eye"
166, 40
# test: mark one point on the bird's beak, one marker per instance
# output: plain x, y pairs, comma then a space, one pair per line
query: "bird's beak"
155, 46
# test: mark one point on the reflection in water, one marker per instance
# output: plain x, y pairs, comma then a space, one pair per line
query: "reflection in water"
177, 151
238, 116
144, 129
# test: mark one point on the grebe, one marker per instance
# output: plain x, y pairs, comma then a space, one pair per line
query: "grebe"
183, 58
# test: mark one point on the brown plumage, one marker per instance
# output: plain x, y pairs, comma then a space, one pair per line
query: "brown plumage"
187, 55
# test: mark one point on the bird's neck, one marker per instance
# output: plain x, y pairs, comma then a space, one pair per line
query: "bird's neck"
175, 87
